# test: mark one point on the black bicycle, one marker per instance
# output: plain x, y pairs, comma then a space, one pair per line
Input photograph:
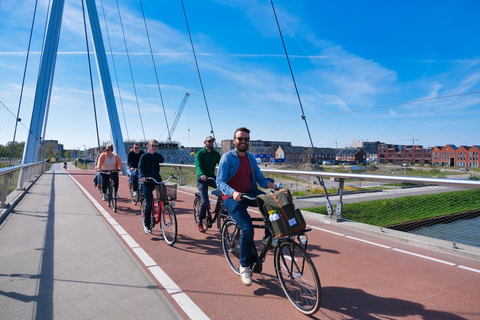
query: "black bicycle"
219, 214
294, 267
111, 195
139, 196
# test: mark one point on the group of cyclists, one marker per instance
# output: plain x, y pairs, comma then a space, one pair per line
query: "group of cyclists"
238, 173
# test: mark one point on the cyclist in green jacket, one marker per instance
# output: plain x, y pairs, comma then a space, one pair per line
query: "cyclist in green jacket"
205, 161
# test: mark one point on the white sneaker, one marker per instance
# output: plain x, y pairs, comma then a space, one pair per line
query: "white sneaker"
116, 195
135, 193
147, 230
104, 197
245, 276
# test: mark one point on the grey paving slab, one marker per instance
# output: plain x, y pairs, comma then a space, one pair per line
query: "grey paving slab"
60, 260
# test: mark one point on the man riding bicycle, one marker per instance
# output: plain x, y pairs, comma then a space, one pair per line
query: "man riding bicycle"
149, 166
205, 161
238, 173
132, 165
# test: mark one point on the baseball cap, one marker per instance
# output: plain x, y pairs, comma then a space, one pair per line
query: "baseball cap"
208, 138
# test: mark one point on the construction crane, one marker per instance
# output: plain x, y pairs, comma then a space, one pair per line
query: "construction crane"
179, 113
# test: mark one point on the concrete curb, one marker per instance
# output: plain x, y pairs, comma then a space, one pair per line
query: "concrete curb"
413, 239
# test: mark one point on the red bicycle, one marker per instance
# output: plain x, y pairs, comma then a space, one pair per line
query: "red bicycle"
162, 211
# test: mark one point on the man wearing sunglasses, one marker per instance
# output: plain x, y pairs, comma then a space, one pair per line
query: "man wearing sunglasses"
205, 161
149, 166
238, 173
132, 165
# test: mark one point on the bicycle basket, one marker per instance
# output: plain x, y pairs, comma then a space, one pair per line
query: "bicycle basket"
166, 192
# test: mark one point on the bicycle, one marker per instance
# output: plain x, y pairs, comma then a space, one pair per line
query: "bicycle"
165, 215
219, 214
111, 196
293, 266
139, 196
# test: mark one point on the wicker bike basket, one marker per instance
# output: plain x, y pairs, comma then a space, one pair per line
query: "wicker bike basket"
166, 192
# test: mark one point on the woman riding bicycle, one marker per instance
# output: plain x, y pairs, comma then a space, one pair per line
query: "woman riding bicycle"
149, 166
238, 173
111, 163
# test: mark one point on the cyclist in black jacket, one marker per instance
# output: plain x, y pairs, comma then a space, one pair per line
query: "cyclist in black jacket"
149, 166
132, 164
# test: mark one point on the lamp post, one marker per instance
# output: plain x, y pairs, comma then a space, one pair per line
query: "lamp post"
393, 185
84, 159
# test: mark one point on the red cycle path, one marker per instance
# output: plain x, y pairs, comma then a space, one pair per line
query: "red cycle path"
360, 278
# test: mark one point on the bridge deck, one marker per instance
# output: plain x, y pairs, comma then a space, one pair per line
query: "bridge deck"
65, 255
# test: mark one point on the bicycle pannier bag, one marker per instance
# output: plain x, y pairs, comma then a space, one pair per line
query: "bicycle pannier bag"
289, 219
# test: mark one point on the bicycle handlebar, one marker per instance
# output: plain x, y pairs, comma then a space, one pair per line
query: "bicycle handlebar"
247, 197
157, 182
102, 170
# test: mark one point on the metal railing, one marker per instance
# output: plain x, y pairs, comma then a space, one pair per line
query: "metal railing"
440, 208
15, 181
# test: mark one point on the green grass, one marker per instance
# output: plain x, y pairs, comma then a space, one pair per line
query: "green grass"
398, 210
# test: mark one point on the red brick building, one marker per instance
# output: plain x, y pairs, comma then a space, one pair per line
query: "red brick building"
398, 154
453, 156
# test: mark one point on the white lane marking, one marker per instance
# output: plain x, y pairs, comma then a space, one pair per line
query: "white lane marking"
164, 279
424, 257
325, 230
469, 269
397, 250
369, 242
182, 299
190, 308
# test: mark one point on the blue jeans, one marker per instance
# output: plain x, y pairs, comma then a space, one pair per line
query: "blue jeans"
148, 194
203, 190
238, 211
134, 179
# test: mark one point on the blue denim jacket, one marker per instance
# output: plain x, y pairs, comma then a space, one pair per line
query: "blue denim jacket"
228, 166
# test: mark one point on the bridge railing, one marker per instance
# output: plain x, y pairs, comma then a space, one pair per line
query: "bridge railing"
441, 208
15, 181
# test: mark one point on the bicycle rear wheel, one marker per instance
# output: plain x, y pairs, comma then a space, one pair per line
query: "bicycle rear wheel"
168, 222
298, 277
231, 244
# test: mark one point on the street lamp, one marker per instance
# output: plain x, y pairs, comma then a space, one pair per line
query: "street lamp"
393, 185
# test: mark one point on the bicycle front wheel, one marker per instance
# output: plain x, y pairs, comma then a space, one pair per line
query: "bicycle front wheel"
114, 200
109, 195
168, 222
298, 277
231, 244
196, 209
133, 198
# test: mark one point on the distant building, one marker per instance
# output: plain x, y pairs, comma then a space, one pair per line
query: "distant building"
228, 145
352, 155
451, 156
292, 154
409, 154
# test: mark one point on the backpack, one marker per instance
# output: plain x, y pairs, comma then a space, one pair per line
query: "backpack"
281, 202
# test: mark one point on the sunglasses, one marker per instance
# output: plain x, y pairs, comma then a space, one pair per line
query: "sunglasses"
109, 149
211, 141
136, 148
154, 145
243, 139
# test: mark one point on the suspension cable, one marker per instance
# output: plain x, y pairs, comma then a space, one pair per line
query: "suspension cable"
155, 68
90, 71
131, 72
198, 70
17, 119
115, 72
304, 118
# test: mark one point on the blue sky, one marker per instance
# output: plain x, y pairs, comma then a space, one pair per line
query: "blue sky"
393, 71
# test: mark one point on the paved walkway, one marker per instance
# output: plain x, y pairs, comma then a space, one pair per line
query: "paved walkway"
60, 260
